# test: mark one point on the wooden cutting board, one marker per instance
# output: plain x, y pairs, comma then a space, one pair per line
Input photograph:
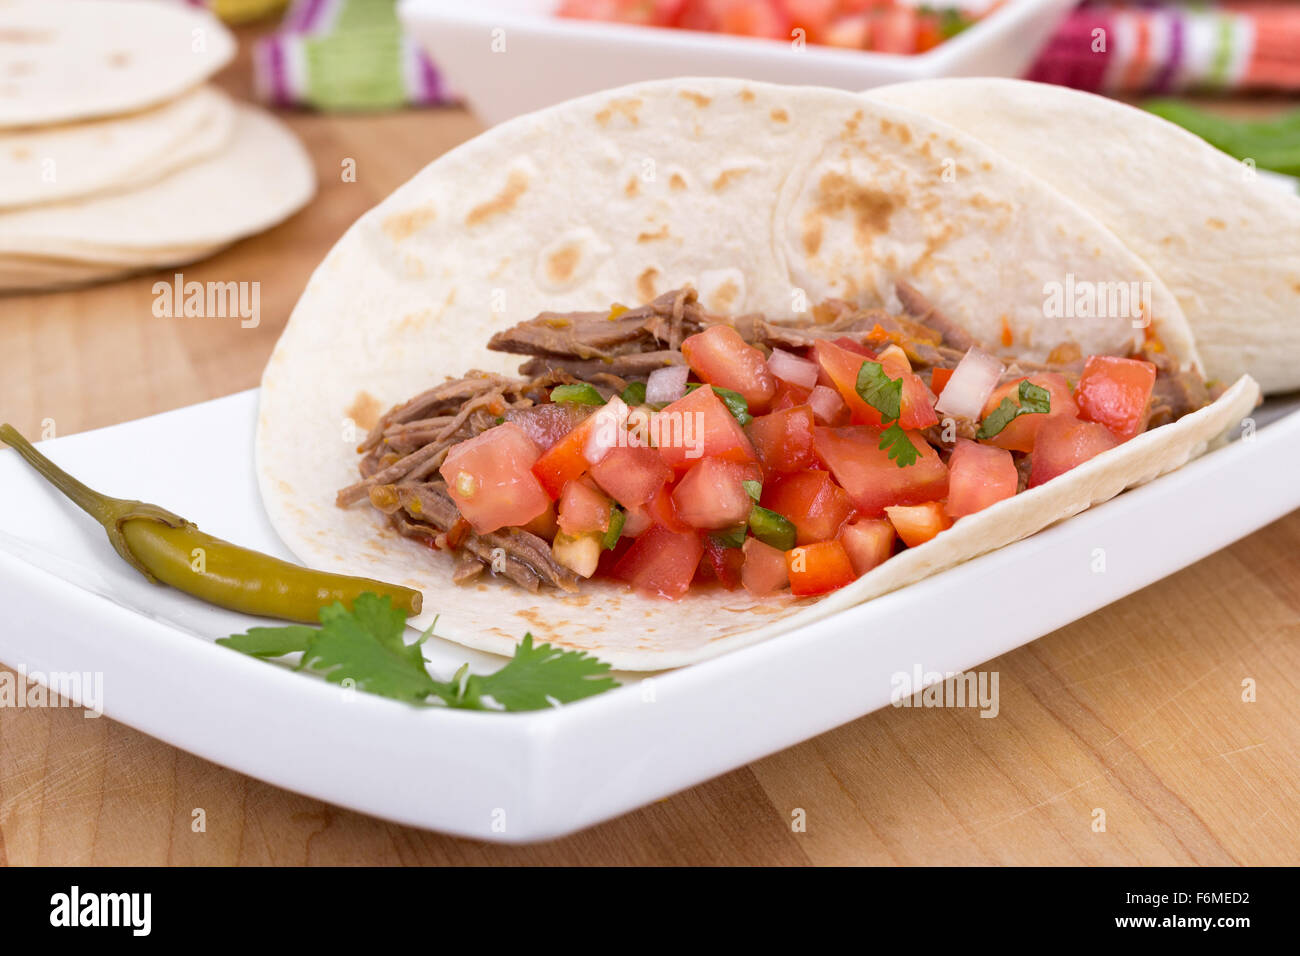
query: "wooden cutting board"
1124, 738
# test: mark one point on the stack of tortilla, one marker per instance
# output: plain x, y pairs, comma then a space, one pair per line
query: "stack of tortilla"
115, 158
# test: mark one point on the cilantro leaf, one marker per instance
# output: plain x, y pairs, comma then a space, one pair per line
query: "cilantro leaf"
579, 394
634, 394
730, 537
365, 645
881, 392
735, 402
536, 677
1034, 400
271, 641
899, 446
753, 488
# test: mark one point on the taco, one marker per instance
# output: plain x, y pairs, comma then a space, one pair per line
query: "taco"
1225, 240
769, 335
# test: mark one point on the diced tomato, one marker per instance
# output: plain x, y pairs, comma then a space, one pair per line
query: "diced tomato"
868, 541
1019, 435
711, 497
1116, 392
564, 461
978, 476
489, 478
813, 503
764, 569
841, 366
854, 346
917, 524
784, 440
874, 481
1064, 443
719, 356
752, 18
893, 30
788, 396
583, 508
636, 521
547, 423
818, 568
725, 563
662, 511
697, 426
939, 378
631, 476
661, 562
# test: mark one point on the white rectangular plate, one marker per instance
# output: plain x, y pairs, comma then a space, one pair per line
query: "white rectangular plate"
71, 605
512, 56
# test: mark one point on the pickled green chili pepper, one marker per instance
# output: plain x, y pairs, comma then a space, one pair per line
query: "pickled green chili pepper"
167, 549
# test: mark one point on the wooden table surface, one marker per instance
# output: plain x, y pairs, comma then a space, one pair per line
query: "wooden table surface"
1137, 711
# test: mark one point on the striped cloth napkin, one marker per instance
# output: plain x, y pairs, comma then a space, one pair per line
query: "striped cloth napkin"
344, 55
1168, 47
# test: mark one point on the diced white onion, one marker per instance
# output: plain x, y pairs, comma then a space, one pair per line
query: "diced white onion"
826, 404
972, 382
666, 385
607, 429
791, 368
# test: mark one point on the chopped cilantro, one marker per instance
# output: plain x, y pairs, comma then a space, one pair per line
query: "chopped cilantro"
753, 488
580, 394
365, 646
885, 395
878, 390
894, 440
734, 401
1034, 400
634, 394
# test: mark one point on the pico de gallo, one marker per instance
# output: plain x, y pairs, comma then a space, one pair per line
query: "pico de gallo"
674, 450
883, 26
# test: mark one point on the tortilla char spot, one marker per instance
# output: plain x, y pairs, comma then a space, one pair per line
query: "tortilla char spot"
926, 151
780, 116
403, 225
632, 188
119, 59
675, 181
871, 208
660, 233
725, 295
21, 154
986, 165
726, 178
645, 284
904, 133
364, 410
561, 263
747, 95
699, 99
625, 107
1214, 223
17, 35
504, 201
812, 236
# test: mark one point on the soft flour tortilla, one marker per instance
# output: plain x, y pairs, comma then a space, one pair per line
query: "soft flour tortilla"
54, 163
260, 177
1226, 242
750, 192
64, 60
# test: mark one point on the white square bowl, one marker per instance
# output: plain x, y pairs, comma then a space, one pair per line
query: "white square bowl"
547, 59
